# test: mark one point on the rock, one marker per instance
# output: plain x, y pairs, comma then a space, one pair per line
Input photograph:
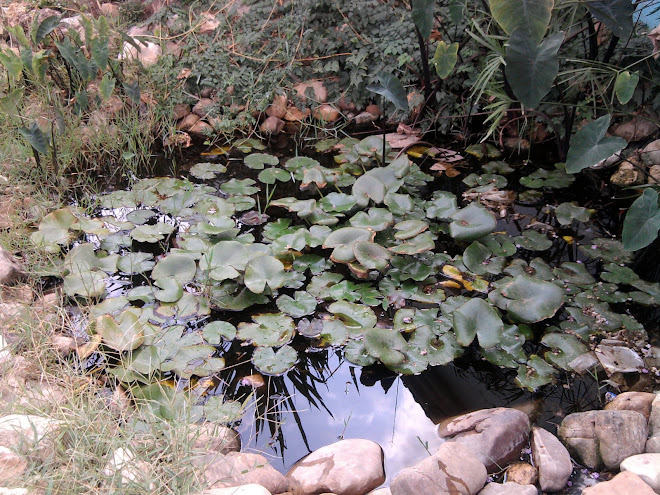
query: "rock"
627, 175
187, 122
200, 129
241, 468
508, 489
378, 491
124, 465
625, 483
272, 125
452, 470
636, 129
346, 105
326, 113
278, 107
212, 438
208, 25
584, 362
109, 9
603, 438
646, 466
651, 153
180, 111
632, 401
249, 489
11, 464
654, 417
11, 270
203, 106
522, 473
15, 491
653, 444
552, 460
333, 469
373, 110
147, 55
64, 344
617, 358
294, 114
654, 174
494, 436
25, 430
364, 118
319, 92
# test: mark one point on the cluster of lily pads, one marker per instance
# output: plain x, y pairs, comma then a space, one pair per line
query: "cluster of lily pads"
359, 259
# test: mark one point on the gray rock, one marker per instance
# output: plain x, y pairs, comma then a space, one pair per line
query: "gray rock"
625, 483
26, 431
202, 107
250, 489
381, 491
347, 467
452, 470
508, 489
646, 466
653, 444
11, 270
636, 129
123, 465
494, 436
619, 359
654, 417
604, 438
651, 153
241, 468
12, 464
552, 460
211, 438
632, 401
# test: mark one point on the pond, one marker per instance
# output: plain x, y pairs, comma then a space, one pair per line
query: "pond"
353, 293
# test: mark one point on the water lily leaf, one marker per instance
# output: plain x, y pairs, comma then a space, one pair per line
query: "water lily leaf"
617, 15
152, 233
471, 223
355, 352
567, 212
170, 290
509, 351
590, 145
239, 187
409, 229
303, 303
143, 293
258, 160
609, 250
268, 330
476, 318
270, 175
399, 204
335, 202
375, 219
312, 262
574, 273
642, 222
353, 315
236, 302
272, 362
497, 167
528, 299
423, 242
531, 67
482, 150
54, 230
533, 241
445, 58
333, 333
263, 271
342, 241
219, 411
391, 88
436, 350
123, 334
551, 179
387, 345
90, 284
534, 374
532, 16
313, 176
371, 255
180, 267
619, 274
442, 206
207, 171
367, 187
225, 260
194, 360
564, 349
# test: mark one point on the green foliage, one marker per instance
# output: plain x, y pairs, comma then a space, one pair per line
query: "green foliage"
590, 145
642, 221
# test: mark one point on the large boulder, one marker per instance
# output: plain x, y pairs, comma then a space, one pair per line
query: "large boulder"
625, 483
653, 443
552, 460
646, 466
241, 468
452, 470
632, 401
10, 269
347, 467
604, 438
508, 489
211, 438
494, 436
12, 464
250, 489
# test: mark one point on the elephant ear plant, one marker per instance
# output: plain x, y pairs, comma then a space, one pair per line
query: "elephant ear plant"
360, 264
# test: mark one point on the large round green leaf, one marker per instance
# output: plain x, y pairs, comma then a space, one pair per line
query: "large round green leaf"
531, 67
532, 16
303, 303
353, 315
180, 267
194, 360
268, 330
564, 348
272, 362
590, 145
528, 299
534, 374
367, 187
258, 160
54, 230
370, 255
642, 222
263, 271
477, 318
386, 344
471, 223
123, 334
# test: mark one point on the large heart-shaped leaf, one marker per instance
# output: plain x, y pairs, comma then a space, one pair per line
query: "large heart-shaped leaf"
445, 58
476, 318
180, 267
303, 303
528, 299
263, 271
531, 68
272, 362
422, 14
642, 222
391, 88
624, 86
617, 15
590, 145
123, 334
268, 330
533, 16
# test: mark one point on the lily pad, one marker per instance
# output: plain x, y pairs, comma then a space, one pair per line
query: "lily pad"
409, 229
272, 362
471, 223
442, 206
216, 331
207, 170
55, 230
567, 212
194, 360
509, 351
533, 241
564, 349
264, 271
239, 187
179, 267
371, 255
609, 250
534, 374
574, 273
258, 160
528, 299
353, 315
367, 187
303, 303
355, 352
268, 330
419, 244
271, 175
387, 345
374, 219
225, 260
123, 334
476, 318
335, 202
152, 233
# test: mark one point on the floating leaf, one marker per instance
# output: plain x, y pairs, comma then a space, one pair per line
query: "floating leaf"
609, 250
268, 330
298, 306
476, 318
236, 187
272, 362
263, 271
374, 219
509, 351
443, 206
590, 145
371, 255
532, 240
367, 187
386, 345
423, 242
194, 360
179, 267
567, 212
54, 230
225, 260
258, 160
471, 223
207, 170
552, 179
564, 349
483, 150
124, 334
409, 229
137, 262
355, 352
528, 299
270, 175
152, 233
534, 374
86, 284
353, 315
